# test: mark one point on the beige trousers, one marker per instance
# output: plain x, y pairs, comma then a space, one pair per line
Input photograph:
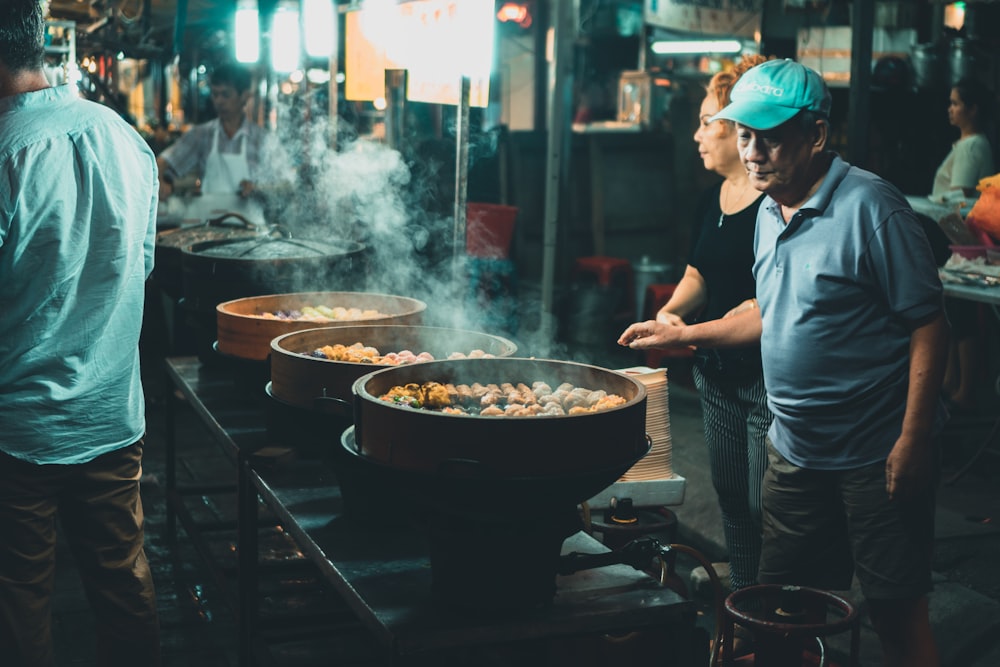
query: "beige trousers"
100, 512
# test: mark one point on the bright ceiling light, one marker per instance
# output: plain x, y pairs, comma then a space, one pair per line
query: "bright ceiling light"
954, 15
516, 12
286, 43
319, 25
247, 32
696, 46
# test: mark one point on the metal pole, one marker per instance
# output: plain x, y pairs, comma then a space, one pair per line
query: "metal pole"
265, 15
558, 152
395, 108
162, 92
540, 107
461, 178
643, 43
859, 104
180, 20
333, 107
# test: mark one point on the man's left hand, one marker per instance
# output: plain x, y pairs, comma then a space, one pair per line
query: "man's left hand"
908, 470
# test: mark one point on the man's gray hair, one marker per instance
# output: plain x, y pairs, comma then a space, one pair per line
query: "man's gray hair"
22, 34
807, 120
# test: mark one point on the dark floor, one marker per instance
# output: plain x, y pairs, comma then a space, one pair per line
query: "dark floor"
195, 573
197, 615
196, 624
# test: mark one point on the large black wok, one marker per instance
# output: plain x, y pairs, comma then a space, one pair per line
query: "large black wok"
170, 244
217, 271
498, 495
463, 489
494, 540
538, 446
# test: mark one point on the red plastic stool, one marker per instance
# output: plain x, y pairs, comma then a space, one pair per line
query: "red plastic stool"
606, 271
657, 296
782, 618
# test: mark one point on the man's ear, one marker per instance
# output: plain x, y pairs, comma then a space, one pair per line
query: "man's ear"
821, 135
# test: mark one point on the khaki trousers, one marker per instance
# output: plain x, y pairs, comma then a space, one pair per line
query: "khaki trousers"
100, 512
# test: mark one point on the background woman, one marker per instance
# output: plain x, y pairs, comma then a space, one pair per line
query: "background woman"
716, 281
971, 156
970, 108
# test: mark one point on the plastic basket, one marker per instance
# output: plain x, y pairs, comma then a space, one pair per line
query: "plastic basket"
489, 229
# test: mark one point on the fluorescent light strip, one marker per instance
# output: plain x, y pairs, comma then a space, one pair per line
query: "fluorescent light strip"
247, 33
285, 38
696, 46
319, 25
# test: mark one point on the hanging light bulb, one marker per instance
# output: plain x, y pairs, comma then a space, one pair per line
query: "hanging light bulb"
319, 27
515, 12
286, 40
247, 31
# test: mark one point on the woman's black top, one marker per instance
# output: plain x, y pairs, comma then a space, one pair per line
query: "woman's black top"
723, 253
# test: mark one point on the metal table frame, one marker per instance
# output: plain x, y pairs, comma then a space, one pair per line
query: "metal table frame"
989, 296
384, 576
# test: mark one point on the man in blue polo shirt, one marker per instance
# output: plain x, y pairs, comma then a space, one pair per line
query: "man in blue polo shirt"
853, 341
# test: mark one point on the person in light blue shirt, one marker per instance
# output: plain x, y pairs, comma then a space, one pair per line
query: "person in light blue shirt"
78, 195
853, 340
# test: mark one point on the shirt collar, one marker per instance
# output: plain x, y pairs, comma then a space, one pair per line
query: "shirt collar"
820, 199
834, 175
38, 98
242, 129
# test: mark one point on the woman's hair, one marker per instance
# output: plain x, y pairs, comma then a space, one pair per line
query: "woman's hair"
974, 93
22, 30
722, 83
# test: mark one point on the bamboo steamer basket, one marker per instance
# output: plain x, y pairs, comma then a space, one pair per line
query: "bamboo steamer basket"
244, 334
302, 380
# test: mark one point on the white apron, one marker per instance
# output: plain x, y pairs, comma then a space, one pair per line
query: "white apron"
220, 185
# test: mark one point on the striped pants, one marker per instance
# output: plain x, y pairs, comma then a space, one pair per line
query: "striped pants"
736, 420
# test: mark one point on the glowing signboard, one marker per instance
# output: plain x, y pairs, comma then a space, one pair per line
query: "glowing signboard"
436, 41
735, 18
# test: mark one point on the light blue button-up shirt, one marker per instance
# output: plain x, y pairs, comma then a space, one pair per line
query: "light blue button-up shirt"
78, 194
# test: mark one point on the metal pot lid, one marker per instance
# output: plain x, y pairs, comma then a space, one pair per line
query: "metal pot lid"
273, 248
228, 226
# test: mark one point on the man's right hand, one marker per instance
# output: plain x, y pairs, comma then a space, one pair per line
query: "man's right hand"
652, 334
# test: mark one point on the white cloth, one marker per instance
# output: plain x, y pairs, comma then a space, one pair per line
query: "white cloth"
225, 172
220, 186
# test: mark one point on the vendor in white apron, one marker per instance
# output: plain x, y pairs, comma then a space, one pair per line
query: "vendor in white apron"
225, 183
226, 174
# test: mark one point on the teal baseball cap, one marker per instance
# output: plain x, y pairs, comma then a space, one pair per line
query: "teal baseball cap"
773, 92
